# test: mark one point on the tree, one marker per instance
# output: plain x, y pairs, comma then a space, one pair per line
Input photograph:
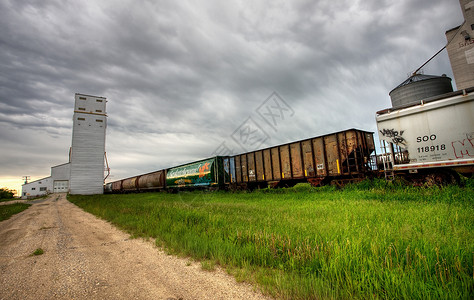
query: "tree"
6, 193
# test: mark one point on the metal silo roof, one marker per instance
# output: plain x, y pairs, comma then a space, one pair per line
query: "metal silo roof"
418, 77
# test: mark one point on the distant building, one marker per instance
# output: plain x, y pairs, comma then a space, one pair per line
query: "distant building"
58, 182
461, 47
84, 173
37, 188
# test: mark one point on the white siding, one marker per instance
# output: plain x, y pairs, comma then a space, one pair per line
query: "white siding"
91, 104
60, 176
88, 146
439, 131
461, 50
61, 172
37, 188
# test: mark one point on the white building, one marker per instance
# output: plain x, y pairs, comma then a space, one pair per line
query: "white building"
88, 145
60, 178
84, 173
37, 188
58, 182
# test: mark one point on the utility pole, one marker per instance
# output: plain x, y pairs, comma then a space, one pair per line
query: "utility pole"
25, 178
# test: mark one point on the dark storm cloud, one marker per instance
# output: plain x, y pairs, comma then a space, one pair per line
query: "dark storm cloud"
180, 77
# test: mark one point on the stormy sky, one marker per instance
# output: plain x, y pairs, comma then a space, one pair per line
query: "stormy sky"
185, 79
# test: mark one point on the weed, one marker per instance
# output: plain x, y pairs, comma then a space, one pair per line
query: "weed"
38, 251
208, 265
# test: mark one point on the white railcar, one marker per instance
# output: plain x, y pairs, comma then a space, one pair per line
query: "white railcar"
433, 136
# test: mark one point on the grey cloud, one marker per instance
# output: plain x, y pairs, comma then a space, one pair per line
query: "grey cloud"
180, 77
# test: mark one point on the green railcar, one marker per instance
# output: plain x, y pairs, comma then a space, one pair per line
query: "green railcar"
205, 173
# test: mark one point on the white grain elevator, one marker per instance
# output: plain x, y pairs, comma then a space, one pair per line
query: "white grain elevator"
461, 47
88, 145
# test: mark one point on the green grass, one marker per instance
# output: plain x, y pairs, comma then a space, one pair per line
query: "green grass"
37, 252
7, 199
370, 240
6, 211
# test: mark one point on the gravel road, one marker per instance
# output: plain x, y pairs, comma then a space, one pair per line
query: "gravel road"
87, 258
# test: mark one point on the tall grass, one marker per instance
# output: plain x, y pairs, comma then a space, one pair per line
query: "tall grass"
370, 240
6, 211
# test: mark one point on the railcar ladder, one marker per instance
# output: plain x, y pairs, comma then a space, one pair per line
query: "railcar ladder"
387, 160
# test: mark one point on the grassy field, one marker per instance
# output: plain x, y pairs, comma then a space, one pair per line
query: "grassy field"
370, 240
6, 211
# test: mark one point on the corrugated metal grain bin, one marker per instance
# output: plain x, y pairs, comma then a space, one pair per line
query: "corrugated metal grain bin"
155, 180
419, 87
340, 154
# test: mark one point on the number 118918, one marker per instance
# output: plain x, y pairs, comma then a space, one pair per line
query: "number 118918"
441, 147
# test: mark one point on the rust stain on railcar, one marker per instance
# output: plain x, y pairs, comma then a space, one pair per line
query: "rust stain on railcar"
296, 160
275, 152
152, 181
267, 160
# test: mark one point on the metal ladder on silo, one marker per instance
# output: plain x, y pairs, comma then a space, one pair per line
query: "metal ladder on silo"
387, 160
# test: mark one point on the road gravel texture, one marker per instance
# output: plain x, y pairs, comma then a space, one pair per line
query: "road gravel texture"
87, 258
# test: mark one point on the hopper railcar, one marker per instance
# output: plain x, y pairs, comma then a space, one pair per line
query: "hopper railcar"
339, 158
208, 173
425, 140
153, 181
429, 140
